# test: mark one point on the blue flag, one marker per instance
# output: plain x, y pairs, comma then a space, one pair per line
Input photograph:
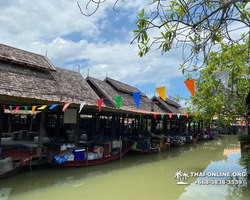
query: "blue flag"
51, 107
137, 96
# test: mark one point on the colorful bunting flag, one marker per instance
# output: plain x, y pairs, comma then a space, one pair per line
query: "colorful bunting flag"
3, 108
118, 100
162, 116
16, 109
53, 106
190, 85
170, 115
81, 106
121, 114
195, 114
42, 107
137, 96
148, 116
187, 115
33, 109
99, 102
224, 76
140, 116
65, 106
162, 92
155, 116
178, 115
26, 109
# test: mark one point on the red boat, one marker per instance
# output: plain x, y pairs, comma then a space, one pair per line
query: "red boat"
17, 167
125, 148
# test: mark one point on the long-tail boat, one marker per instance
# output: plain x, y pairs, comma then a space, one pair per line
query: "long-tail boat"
115, 155
16, 168
191, 138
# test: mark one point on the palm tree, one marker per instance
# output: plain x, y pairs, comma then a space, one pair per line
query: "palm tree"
178, 175
185, 176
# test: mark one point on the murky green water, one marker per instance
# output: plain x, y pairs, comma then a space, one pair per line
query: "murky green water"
142, 177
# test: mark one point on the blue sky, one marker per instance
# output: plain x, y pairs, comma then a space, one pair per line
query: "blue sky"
100, 42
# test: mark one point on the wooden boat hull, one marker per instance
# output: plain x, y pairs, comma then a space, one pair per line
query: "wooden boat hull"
145, 151
10, 173
191, 141
98, 161
19, 166
176, 144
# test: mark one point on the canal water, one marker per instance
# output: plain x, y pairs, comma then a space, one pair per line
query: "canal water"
139, 177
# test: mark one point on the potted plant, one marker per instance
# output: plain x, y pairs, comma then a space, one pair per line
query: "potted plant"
245, 161
244, 140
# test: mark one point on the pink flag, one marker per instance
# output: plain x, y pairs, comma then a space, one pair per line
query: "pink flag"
65, 106
170, 115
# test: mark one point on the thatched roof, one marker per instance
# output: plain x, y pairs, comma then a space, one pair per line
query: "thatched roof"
166, 105
58, 86
123, 87
107, 91
25, 58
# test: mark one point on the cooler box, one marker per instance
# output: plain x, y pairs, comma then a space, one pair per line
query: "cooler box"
78, 153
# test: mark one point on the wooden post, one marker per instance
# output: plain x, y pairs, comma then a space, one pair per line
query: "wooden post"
120, 148
1, 122
58, 121
146, 124
164, 125
41, 133
189, 126
122, 128
87, 156
127, 123
113, 127
10, 123
171, 127
142, 120
31, 123
77, 128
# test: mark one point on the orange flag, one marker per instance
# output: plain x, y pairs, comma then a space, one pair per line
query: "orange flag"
187, 115
33, 110
190, 85
161, 91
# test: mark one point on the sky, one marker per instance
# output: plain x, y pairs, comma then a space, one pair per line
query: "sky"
100, 43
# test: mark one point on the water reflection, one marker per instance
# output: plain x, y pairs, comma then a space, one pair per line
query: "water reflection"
135, 177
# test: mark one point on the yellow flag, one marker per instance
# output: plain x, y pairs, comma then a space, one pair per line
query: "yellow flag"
140, 116
161, 91
33, 109
195, 114
43, 107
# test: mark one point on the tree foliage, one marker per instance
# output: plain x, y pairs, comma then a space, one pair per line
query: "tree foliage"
194, 25
211, 96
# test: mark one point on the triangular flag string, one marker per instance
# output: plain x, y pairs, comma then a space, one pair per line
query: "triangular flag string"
118, 100
99, 102
65, 106
16, 109
190, 85
33, 109
137, 96
162, 92
42, 107
26, 109
53, 106
81, 106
